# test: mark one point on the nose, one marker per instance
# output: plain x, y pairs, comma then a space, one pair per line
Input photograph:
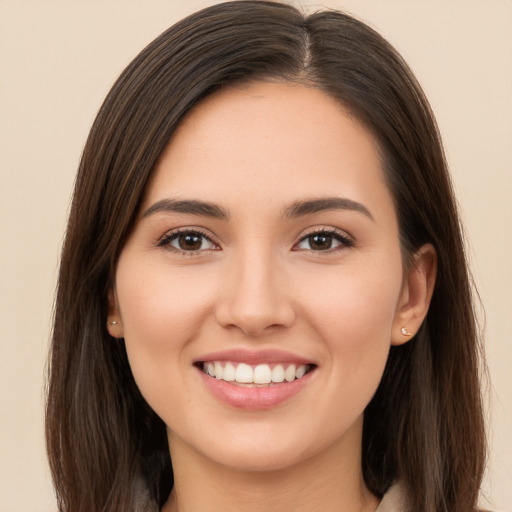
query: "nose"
255, 297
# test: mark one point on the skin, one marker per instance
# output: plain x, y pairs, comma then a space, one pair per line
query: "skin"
258, 282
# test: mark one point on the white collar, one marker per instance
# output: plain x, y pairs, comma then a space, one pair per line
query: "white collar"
394, 500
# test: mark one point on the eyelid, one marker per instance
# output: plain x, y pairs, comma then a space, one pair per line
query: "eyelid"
342, 236
165, 240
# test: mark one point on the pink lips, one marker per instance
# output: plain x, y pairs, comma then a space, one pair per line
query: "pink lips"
242, 355
249, 397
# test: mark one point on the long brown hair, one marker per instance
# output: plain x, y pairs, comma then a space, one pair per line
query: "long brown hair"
424, 426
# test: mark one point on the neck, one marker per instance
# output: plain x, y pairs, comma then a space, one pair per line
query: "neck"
330, 481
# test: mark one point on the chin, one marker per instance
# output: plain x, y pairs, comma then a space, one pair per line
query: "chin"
270, 446
261, 460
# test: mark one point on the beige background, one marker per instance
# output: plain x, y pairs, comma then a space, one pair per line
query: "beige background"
58, 59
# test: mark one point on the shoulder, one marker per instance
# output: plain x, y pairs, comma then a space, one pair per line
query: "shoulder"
395, 500
142, 498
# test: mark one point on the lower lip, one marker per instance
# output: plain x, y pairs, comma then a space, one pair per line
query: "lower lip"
254, 398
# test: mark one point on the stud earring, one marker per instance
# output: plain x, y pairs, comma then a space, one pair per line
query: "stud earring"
114, 322
405, 332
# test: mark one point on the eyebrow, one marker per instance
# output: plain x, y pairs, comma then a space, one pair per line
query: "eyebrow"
189, 206
301, 208
296, 209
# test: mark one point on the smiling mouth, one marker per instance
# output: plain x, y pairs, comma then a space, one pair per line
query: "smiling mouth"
261, 375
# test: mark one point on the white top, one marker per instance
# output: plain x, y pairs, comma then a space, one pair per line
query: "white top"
394, 500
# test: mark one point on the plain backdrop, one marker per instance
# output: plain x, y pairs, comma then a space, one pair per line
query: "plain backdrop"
58, 59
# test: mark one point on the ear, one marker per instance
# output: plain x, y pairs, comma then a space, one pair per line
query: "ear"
114, 322
416, 294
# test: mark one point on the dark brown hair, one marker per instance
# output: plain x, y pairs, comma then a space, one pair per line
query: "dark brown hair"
424, 426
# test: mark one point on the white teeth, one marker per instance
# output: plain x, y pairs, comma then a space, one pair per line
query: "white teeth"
289, 373
244, 374
261, 374
219, 373
229, 373
300, 371
278, 373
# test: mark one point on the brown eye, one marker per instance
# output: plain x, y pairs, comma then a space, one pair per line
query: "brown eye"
324, 241
320, 242
187, 241
190, 242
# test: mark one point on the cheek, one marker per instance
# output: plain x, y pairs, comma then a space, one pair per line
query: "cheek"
360, 301
158, 304
353, 312
161, 312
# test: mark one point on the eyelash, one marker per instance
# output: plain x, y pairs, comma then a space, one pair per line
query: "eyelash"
335, 234
170, 236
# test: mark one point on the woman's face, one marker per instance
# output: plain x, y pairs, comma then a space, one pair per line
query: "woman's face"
266, 249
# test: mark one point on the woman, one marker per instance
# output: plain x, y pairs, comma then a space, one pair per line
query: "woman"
263, 299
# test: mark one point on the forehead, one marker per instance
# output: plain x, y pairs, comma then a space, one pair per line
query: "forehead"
274, 141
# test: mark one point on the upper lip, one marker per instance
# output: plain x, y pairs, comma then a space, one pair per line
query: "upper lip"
254, 357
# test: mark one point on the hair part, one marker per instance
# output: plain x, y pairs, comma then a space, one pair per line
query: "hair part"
105, 443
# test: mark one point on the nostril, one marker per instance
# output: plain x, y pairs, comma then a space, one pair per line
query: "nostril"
255, 324
254, 305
